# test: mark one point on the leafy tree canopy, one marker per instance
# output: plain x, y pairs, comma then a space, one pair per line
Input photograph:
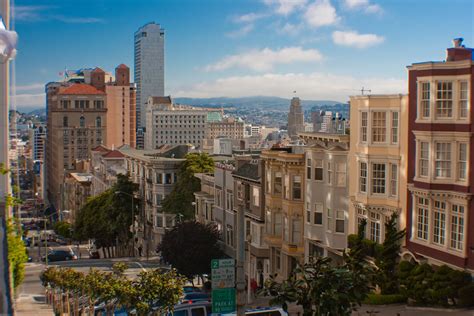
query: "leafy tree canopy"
190, 246
181, 198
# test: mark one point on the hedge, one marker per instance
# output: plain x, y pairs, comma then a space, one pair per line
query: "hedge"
379, 299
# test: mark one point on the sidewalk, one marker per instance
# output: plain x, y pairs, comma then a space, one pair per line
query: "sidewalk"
32, 305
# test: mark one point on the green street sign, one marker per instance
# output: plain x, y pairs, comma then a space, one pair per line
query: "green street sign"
223, 301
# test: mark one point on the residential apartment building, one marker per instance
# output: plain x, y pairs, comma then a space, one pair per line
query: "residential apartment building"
378, 160
77, 189
295, 118
39, 141
156, 172
149, 68
326, 195
105, 166
121, 109
76, 123
250, 199
167, 123
284, 208
440, 221
228, 127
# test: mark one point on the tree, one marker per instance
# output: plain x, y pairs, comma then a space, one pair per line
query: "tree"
107, 217
386, 261
63, 229
16, 253
319, 287
181, 197
190, 246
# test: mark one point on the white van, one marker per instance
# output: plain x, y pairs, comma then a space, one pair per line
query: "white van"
204, 308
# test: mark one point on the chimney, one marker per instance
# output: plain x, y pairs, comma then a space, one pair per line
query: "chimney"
458, 51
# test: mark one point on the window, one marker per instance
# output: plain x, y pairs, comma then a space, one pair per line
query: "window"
318, 214
65, 121
341, 173
379, 127
444, 99
159, 178
443, 160
296, 188
308, 213
82, 121
99, 104
363, 177
394, 180
329, 219
277, 183
457, 227
65, 104
394, 127
462, 161
308, 169
422, 218
286, 230
256, 196
329, 172
318, 170
278, 259
296, 231
159, 221
277, 226
98, 122
378, 178
425, 100
375, 231
439, 228
463, 99
363, 127
424, 159
167, 178
340, 221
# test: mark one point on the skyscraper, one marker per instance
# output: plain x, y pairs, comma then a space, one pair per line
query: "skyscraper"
149, 70
295, 118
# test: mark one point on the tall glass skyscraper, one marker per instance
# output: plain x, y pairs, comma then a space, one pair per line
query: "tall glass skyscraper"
149, 70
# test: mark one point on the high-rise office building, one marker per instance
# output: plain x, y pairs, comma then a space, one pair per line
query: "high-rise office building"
39, 140
295, 118
149, 70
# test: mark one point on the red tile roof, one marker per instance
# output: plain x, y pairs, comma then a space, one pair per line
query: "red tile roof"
81, 88
113, 154
101, 148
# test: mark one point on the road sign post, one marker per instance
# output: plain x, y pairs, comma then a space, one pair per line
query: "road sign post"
223, 286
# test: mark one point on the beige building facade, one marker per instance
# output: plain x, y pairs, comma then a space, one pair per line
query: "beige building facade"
284, 208
378, 160
229, 127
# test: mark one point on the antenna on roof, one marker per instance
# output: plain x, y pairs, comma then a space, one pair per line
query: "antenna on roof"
364, 90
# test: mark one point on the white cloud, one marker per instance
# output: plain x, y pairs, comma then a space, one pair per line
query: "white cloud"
285, 7
29, 100
314, 86
28, 87
249, 17
354, 39
321, 13
266, 59
289, 28
37, 13
363, 5
244, 30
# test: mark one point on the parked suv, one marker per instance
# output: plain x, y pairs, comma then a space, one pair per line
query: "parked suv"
61, 255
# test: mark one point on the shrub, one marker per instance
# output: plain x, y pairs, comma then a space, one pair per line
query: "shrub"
380, 299
466, 295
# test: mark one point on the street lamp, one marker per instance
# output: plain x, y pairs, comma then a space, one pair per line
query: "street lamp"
133, 219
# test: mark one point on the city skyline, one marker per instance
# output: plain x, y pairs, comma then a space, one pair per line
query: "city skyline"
323, 49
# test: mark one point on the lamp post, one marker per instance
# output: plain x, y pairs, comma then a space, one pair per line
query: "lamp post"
133, 219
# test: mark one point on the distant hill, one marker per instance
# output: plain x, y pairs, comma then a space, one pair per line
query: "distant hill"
258, 101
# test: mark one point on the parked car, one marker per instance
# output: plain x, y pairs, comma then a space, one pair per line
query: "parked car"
190, 289
204, 308
195, 297
61, 255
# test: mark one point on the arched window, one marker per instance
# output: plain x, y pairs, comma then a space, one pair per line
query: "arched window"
98, 121
82, 121
65, 121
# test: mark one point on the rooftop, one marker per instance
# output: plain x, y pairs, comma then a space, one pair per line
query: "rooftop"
80, 89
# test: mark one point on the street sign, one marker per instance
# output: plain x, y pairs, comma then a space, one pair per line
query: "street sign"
223, 273
223, 301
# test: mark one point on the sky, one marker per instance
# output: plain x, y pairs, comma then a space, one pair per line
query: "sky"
322, 49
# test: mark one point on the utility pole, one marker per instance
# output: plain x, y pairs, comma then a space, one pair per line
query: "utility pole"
240, 284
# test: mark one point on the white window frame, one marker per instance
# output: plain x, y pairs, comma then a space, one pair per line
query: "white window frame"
439, 222
422, 218
443, 100
463, 102
318, 164
424, 159
395, 121
377, 181
462, 165
393, 180
424, 109
318, 209
378, 129
363, 177
364, 126
458, 224
443, 156
340, 216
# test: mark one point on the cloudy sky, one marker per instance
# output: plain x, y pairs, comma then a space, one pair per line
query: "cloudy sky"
323, 49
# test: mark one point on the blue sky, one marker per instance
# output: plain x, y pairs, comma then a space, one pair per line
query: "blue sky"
323, 49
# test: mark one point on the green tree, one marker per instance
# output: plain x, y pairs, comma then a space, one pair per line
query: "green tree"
107, 217
63, 229
190, 246
16, 253
319, 287
181, 197
386, 261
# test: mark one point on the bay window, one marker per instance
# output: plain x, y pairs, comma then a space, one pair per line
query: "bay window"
393, 180
363, 177
422, 218
374, 227
379, 127
424, 159
443, 160
463, 99
378, 178
462, 161
363, 127
425, 100
457, 227
444, 99
296, 231
395, 127
439, 224
296, 188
